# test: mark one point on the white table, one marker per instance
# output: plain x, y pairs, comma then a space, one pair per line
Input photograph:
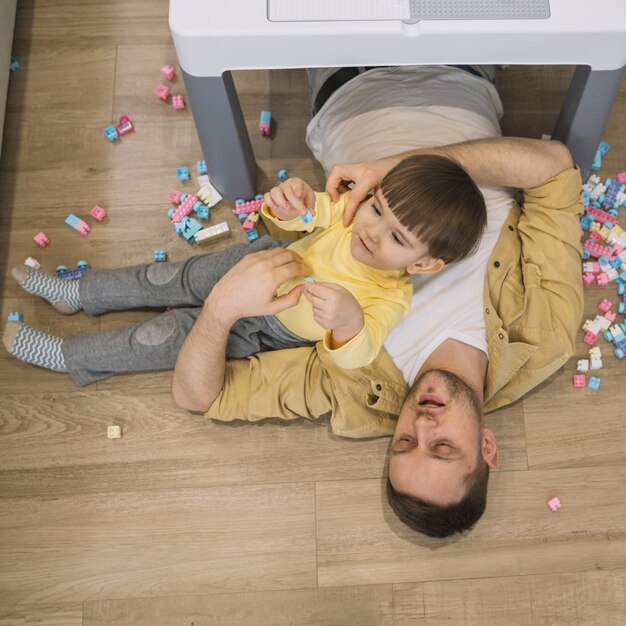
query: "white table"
213, 37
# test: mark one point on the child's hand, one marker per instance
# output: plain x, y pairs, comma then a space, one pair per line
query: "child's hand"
290, 199
336, 309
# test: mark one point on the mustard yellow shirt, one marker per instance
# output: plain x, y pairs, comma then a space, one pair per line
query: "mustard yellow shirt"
384, 295
533, 301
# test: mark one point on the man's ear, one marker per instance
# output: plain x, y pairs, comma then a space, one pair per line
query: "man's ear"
490, 447
426, 265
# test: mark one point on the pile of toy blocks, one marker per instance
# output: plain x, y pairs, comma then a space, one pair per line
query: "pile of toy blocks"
604, 263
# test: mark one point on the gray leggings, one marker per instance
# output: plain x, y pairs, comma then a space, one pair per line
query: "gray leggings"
154, 344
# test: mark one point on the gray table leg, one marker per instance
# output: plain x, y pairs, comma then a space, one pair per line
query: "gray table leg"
585, 112
223, 136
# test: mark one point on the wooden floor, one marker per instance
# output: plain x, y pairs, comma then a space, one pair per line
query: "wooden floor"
183, 521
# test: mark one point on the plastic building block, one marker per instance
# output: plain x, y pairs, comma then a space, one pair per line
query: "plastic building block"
110, 133
125, 126
114, 432
201, 210
160, 256
307, 218
167, 71
582, 366
590, 338
187, 228
210, 234
202, 180
183, 174
282, 174
77, 224
14, 64
605, 305
32, 263
174, 196
208, 195
579, 380
251, 206
252, 235
201, 167
162, 91
265, 123
248, 225
603, 148
98, 213
73, 274
594, 383
82, 265
15, 316
554, 504
60, 269
178, 103
41, 239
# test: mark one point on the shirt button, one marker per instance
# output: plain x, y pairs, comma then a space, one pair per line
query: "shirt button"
487, 311
501, 336
379, 387
511, 228
496, 263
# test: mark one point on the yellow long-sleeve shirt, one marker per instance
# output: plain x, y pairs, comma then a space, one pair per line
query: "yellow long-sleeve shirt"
384, 295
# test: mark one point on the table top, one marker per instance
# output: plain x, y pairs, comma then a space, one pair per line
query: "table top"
212, 36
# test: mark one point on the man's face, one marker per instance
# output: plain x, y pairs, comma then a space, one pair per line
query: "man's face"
438, 439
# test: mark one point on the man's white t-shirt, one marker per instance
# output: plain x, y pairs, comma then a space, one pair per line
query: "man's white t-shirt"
384, 112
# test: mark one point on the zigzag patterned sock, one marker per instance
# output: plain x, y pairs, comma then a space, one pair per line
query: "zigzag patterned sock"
61, 294
39, 348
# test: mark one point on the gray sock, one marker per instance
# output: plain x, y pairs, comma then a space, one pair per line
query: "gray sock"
61, 294
34, 346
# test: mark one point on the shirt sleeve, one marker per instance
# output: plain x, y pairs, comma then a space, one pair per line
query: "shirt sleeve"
327, 213
305, 382
549, 229
380, 317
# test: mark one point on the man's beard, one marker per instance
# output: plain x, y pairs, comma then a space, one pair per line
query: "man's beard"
457, 390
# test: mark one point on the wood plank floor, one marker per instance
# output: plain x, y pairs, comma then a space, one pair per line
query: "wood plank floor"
183, 521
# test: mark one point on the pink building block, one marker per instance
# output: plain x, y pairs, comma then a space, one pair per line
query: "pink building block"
595, 235
162, 91
178, 103
610, 315
554, 504
579, 380
167, 71
125, 126
605, 305
251, 206
41, 239
174, 196
602, 279
589, 278
248, 225
98, 213
185, 208
601, 216
590, 338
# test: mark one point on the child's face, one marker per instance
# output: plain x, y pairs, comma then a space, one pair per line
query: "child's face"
381, 241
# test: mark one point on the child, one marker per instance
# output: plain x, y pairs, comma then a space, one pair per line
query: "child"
361, 289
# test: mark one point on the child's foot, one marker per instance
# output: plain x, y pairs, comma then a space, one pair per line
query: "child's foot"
61, 294
34, 346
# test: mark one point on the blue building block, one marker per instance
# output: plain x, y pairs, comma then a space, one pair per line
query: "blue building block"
183, 174
282, 174
160, 256
252, 235
82, 265
201, 167
15, 316
111, 133
603, 148
61, 269
14, 65
307, 218
594, 383
187, 228
73, 274
202, 210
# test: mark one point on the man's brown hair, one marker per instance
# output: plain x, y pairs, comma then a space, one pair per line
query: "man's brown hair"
435, 198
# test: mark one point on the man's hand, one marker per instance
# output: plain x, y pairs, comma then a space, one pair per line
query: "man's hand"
249, 288
365, 176
291, 199
336, 309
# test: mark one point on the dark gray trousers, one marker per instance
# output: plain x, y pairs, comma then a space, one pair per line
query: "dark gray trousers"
154, 344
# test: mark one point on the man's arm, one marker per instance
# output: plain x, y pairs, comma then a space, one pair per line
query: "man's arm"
502, 161
248, 289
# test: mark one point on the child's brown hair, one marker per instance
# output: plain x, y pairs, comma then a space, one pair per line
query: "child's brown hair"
435, 198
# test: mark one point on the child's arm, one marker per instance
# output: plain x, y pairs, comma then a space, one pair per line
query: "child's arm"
283, 209
355, 333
